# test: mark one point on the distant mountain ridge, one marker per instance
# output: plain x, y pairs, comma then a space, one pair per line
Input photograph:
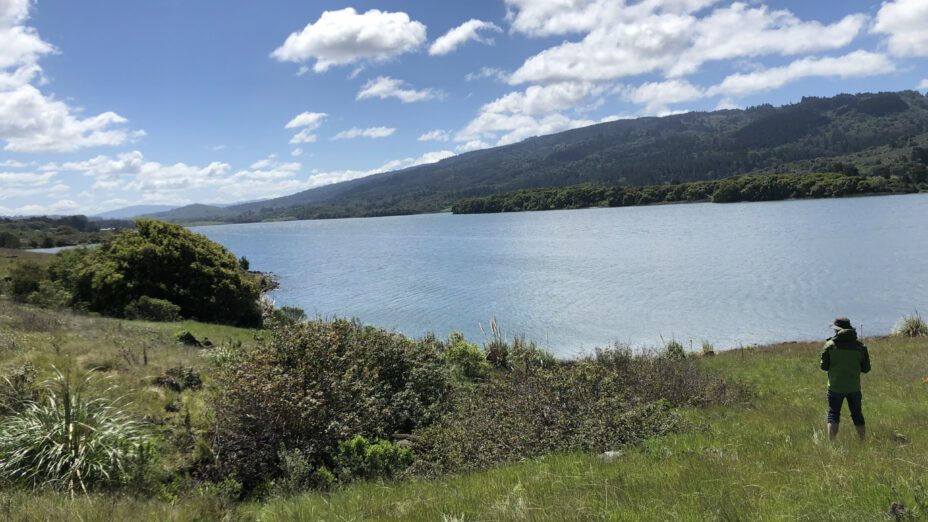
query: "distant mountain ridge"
816, 133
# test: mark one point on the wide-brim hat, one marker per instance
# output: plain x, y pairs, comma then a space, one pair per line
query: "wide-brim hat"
841, 323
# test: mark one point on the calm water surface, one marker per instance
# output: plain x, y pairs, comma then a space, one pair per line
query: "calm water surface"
577, 279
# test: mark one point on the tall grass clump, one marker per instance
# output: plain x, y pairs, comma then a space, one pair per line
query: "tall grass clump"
911, 326
71, 440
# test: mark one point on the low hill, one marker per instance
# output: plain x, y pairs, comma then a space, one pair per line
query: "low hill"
195, 213
694, 146
133, 211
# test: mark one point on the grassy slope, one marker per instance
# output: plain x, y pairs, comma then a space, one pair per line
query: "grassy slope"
10, 256
764, 462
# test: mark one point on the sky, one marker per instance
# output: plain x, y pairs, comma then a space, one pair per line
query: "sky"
107, 104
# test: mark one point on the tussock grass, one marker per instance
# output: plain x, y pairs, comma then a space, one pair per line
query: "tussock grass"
74, 439
911, 326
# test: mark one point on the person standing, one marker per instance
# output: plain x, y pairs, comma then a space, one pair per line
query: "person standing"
845, 358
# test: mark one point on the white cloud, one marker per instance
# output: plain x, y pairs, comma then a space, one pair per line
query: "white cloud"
13, 164
306, 119
156, 178
344, 37
297, 152
108, 173
370, 132
516, 127
923, 85
532, 112
318, 179
458, 36
33, 191
219, 147
472, 145
308, 123
623, 40
855, 64
385, 87
155, 182
741, 31
60, 207
539, 99
30, 121
10, 179
435, 135
21, 45
656, 96
905, 24
488, 72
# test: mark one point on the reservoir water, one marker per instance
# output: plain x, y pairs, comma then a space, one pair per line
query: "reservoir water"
573, 280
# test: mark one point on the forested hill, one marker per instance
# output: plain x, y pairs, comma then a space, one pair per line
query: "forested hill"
882, 133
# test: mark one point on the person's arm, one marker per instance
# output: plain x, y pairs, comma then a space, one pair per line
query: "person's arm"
865, 362
826, 359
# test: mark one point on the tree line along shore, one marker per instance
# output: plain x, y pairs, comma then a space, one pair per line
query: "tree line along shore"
768, 187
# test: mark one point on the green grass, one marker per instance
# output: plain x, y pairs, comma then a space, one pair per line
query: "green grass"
9, 257
769, 460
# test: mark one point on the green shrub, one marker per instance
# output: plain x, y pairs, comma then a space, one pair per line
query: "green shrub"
152, 309
595, 403
314, 384
163, 261
911, 326
298, 474
9, 240
50, 295
466, 359
70, 440
358, 458
288, 314
26, 278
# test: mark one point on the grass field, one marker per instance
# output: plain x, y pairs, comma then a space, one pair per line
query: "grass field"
11, 256
769, 460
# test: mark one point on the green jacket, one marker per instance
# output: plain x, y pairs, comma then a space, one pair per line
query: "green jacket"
845, 358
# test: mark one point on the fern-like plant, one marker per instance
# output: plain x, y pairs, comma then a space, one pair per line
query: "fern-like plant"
70, 440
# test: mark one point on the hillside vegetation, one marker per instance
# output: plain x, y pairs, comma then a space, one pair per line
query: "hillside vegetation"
881, 134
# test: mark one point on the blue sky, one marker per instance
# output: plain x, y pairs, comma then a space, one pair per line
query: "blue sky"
105, 104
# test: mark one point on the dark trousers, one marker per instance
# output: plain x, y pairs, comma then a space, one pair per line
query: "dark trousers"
836, 401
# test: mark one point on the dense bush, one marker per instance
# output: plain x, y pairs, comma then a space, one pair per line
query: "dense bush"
316, 384
25, 279
71, 440
593, 404
300, 409
161, 261
152, 309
